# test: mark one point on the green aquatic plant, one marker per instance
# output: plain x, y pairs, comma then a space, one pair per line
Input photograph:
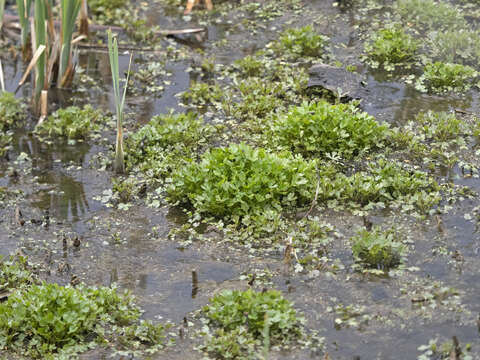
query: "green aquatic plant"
259, 98
319, 128
377, 249
202, 93
239, 319
119, 163
382, 184
301, 42
249, 66
442, 77
440, 126
15, 273
48, 320
455, 46
165, 142
103, 7
239, 180
430, 14
391, 46
71, 123
12, 110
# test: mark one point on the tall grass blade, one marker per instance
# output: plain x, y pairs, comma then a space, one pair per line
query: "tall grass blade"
119, 164
2, 10
2, 80
40, 30
23, 7
70, 10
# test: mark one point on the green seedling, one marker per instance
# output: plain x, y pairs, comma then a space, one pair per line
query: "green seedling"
391, 46
119, 163
377, 249
301, 42
442, 77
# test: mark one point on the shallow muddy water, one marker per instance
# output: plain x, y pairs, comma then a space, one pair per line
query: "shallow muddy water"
61, 185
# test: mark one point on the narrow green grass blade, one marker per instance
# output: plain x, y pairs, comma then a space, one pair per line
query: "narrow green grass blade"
40, 39
23, 7
2, 10
70, 10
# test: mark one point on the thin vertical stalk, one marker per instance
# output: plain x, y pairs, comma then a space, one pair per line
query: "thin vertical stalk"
2, 81
119, 164
40, 30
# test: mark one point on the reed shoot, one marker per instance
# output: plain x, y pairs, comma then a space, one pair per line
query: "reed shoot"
119, 164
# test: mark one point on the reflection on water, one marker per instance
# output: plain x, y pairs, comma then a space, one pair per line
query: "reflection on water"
67, 200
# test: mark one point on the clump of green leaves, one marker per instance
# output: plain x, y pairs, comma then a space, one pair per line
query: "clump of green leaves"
442, 77
440, 126
12, 110
202, 93
165, 142
259, 98
105, 9
71, 123
301, 42
239, 180
391, 46
249, 66
381, 185
319, 128
50, 319
15, 273
230, 311
430, 14
377, 249
455, 46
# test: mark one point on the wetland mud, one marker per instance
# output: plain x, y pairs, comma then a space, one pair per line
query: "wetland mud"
171, 235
